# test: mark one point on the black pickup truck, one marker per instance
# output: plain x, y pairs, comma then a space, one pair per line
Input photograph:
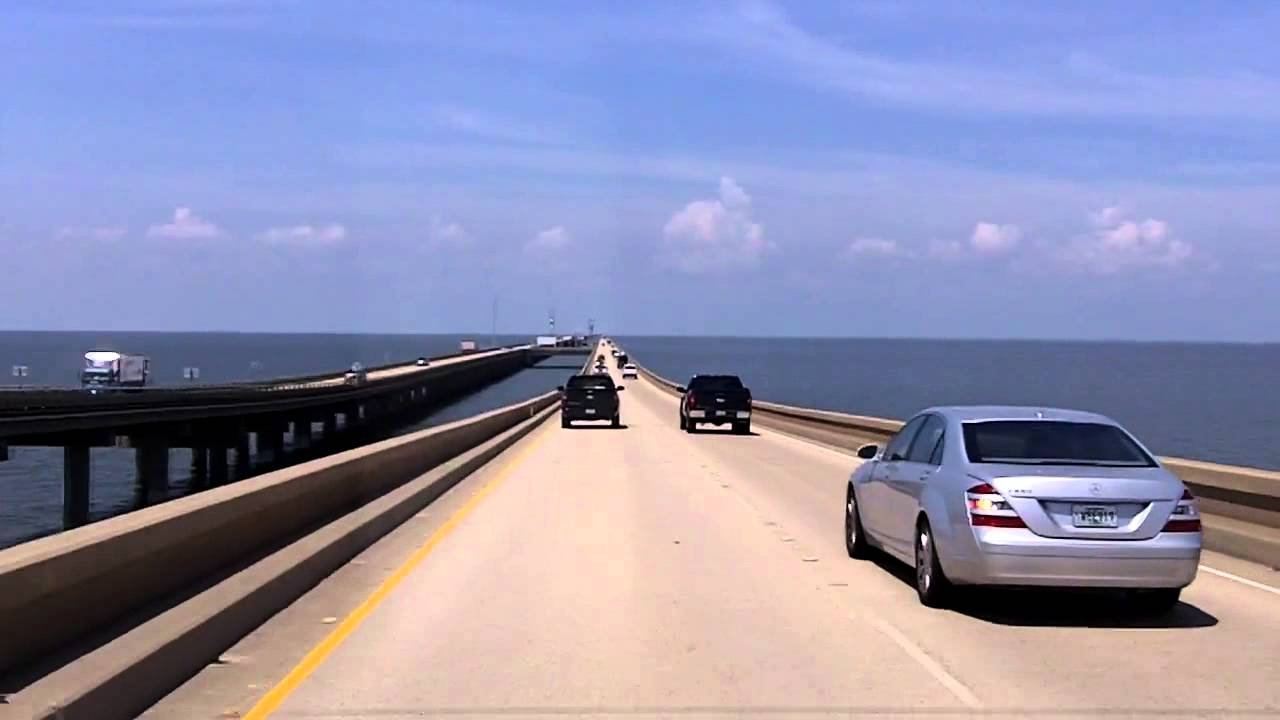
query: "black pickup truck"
590, 397
715, 399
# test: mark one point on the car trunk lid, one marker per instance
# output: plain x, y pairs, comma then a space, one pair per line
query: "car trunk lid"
1086, 502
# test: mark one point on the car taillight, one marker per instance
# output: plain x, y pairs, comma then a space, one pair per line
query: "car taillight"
693, 400
988, 508
1186, 515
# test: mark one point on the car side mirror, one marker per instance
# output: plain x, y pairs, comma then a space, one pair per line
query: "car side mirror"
620, 388
868, 452
560, 388
681, 389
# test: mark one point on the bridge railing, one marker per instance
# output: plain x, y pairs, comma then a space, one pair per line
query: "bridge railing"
1243, 503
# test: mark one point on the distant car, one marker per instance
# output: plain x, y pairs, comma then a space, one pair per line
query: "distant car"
629, 371
715, 399
601, 369
423, 362
1024, 496
590, 397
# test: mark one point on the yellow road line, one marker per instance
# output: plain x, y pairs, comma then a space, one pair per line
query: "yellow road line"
281, 692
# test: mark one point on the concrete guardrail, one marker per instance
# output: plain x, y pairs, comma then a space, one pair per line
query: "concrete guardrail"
57, 589
1241, 504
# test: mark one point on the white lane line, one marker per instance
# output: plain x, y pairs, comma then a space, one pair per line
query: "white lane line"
1242, 580
939, 673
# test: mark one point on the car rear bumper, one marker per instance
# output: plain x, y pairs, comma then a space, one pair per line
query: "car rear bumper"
578, 413
1008, 556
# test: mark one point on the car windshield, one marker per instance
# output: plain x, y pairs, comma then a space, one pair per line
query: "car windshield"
715, 383
1052, 442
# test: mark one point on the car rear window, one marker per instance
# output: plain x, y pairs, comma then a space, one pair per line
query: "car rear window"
715, 383
590, 382
1052, 442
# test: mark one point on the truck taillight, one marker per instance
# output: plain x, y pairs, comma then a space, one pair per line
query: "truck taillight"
1186, 515
693, 400
988, 508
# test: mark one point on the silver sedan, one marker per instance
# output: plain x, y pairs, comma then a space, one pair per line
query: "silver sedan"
1024, 496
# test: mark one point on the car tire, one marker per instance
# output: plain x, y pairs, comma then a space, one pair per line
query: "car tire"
682, 422
931, 583
617, 421
1155, 602
690, 426
564, 422
855, 538
742, 428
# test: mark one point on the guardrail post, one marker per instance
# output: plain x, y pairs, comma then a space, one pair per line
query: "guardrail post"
75, 485
151, 460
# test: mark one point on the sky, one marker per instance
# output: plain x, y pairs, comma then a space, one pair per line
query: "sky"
985, 169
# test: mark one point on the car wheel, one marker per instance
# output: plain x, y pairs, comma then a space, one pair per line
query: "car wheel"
682, 421
690, 426
855, 540
931, 583
742, 428
1155, 602
564, 422
617, 421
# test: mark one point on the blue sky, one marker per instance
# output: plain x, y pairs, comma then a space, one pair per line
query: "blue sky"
961, 169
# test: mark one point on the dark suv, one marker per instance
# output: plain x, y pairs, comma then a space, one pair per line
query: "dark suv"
717, 400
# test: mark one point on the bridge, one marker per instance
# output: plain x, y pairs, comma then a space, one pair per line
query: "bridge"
504, 566
213, 420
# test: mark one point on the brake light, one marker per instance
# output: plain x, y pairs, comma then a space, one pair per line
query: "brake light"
693, 400
988, 508
1186, 515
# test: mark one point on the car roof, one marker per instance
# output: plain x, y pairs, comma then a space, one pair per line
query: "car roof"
974, 413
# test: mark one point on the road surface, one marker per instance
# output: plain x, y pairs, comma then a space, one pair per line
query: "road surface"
645, 572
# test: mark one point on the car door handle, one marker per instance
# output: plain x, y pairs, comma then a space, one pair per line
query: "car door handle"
925, 476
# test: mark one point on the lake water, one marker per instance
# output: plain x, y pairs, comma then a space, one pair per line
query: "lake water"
1217, 402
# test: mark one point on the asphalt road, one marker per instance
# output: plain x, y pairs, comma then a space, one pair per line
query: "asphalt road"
645, 572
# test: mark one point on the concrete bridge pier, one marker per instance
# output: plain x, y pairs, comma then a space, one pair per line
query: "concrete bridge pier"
330, 425
151, 459
242, 454
302, 432
271, 442
75, 485
217, 464
200, 462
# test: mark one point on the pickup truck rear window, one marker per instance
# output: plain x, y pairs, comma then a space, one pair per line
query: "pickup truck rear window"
715, 383
588, 382
1052, 442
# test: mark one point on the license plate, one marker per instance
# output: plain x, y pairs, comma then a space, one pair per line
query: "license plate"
1093, 516
591, 411
720, 412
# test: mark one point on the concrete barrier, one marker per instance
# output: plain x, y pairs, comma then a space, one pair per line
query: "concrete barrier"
57, 589
1241, 505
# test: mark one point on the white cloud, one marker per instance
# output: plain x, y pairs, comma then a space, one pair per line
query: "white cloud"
992, 239
306, 235
874, 246
448, 232
80, 232
186, 225
1120, 243
553, 238
715, 235
479, 124
945, 249
766, 39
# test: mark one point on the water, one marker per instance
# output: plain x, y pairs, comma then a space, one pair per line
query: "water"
1216, 402
31, 481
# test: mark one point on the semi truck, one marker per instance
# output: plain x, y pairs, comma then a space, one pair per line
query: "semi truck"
108, 368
